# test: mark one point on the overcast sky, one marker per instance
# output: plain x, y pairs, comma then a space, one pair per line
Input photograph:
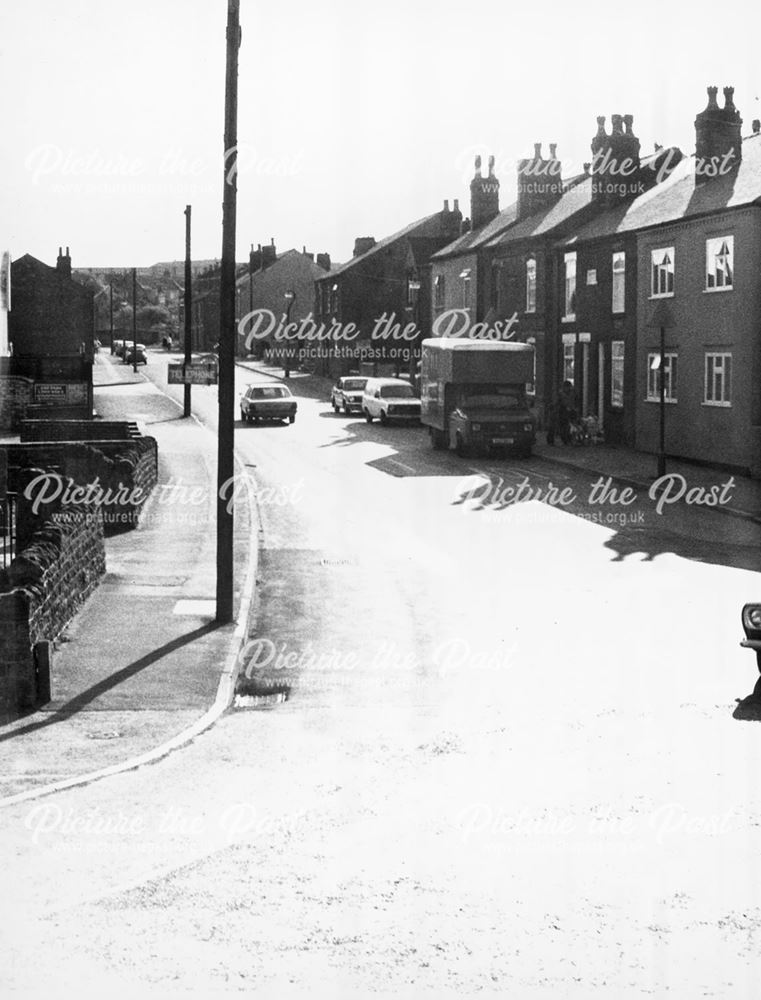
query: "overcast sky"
354, 118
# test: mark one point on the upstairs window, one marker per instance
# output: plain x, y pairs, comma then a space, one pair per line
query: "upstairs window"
465, 288
619, 282
531, 285
570, 286
617, 374
438, 291
720, 264
662, 272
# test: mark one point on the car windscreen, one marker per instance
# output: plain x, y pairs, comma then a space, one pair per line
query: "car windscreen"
268, 392
397, 392
354, 384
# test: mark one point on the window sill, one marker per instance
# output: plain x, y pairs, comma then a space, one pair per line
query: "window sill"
621, 312
656, 400
571, 318
724, 288
662, 295
721, 406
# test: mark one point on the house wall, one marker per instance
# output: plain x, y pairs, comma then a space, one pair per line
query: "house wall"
595, 318
720, 320
456, 295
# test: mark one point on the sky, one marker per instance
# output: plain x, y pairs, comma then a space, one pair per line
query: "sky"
354, 119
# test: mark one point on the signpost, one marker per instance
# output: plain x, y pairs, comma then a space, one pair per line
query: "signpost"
192, 374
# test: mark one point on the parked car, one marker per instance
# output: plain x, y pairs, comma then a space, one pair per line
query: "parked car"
267, 401
119, 346
136, 351
346, 394
389, 399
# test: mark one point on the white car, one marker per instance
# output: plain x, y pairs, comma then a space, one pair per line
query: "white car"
346, 394
389, 399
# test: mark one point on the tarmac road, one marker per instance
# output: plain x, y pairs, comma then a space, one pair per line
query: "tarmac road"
506, 765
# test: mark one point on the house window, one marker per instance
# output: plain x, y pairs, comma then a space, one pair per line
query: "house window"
438, 291
662, 272
570, 286
617, 374
334, 299
592, 276
569, 355
654, 377
619, 281
465, 288
531, 285
718, 379
720, 264
531, 386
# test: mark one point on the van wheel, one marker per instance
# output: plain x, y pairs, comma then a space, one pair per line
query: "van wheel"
368, 418
438, 440
347, 411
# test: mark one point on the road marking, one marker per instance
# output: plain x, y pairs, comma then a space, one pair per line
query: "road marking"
401, 465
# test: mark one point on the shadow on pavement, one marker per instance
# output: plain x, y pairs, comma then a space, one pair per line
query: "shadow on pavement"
78, 703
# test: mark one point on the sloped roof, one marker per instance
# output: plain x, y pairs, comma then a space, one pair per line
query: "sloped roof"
317, 271
576, 196
682, 196
411, 230
475, 238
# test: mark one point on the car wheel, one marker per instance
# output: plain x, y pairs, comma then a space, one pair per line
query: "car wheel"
383, 417
459, 447
243, 416
368, 418
336, 407
347, 411
292, 418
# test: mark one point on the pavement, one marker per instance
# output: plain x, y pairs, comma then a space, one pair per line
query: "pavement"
143, 667
625, 466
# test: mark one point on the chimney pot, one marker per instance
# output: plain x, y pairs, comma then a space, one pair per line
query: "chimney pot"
446, 204
491, 166
756, 126
538, 150
587, 167
629, 122
615, 121
553, 150
478, 166
456, 205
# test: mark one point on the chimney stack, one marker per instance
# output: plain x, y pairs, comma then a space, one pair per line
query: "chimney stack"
484, 195
323, 261
718, 136
269, 254
539, 181
616, 165
362, 244
756, 126
63, 264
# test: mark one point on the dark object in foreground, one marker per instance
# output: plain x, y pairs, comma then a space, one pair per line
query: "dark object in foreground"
749, 709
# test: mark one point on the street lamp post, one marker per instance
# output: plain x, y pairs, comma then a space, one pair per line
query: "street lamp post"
290, 298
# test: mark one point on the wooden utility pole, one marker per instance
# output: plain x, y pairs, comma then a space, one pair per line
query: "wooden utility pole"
188, 308
226, 389
134, 320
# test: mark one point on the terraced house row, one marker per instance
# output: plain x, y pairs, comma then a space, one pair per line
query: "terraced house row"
588, 268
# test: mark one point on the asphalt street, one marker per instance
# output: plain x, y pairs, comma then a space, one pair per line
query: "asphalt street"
506, 763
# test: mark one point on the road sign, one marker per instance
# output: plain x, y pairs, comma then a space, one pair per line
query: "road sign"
192, 374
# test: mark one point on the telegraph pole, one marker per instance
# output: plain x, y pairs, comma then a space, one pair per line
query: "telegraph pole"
111, 312
134, 320
188, 307
226, 389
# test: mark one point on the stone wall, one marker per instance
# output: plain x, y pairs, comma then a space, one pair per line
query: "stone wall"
40, 592
119, 475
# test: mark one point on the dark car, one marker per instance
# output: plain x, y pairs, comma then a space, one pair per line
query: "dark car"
346, 394
135, 354
267, 401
